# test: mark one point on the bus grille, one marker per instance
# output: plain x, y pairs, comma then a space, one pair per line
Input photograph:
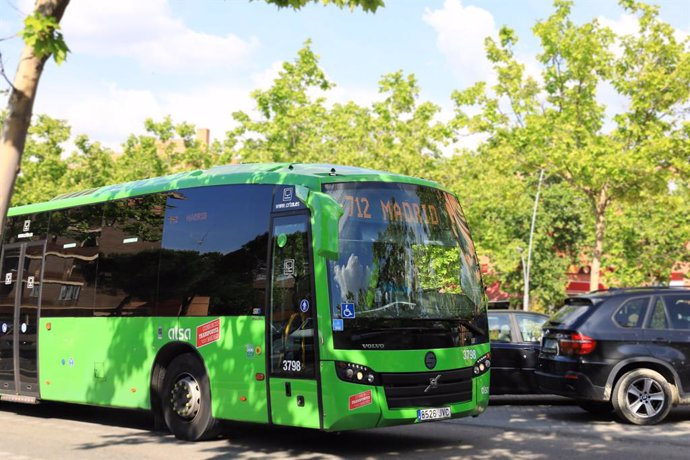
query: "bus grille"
408, 390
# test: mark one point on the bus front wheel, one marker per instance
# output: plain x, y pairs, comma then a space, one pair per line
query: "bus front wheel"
186, 399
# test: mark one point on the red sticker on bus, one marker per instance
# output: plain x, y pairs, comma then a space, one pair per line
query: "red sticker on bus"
360, 400
208, 333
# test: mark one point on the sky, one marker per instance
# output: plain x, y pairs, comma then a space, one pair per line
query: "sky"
198, 61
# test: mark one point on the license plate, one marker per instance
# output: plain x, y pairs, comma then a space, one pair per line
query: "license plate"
550, 346
433, 414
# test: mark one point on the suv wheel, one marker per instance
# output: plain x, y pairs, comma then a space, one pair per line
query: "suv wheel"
642, 397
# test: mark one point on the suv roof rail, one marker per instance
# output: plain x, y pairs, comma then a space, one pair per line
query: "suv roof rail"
638, 288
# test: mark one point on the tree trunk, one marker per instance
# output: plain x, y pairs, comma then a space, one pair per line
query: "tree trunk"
600, 228
19, 110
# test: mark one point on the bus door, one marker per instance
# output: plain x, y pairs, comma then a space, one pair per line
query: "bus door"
20, 284
291, 336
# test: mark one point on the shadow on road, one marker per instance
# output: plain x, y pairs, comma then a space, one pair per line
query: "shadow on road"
88, 414
529, 400
510, 429
300, 443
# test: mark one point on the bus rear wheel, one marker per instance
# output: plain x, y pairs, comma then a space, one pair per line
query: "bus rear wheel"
186, 399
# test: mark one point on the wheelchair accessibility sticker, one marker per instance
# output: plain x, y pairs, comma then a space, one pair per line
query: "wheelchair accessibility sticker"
347, 310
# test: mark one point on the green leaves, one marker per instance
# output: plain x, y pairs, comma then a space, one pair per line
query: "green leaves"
611, 170
43, 34
366, 5
562, 125
396, 133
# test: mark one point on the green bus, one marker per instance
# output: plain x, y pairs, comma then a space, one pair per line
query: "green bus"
314, 296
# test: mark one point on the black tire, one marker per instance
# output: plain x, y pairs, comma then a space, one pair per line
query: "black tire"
597, 407
642, 397
186, 399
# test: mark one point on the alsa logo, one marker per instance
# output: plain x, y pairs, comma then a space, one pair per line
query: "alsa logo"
177, 333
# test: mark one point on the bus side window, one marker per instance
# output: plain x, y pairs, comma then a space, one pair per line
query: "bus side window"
214, 256
21, 229
129, 256
71, 261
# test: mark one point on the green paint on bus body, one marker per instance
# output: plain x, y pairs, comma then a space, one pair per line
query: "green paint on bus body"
311, 176
109, 361
287, 409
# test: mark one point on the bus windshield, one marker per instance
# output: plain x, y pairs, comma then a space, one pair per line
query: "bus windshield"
407, 276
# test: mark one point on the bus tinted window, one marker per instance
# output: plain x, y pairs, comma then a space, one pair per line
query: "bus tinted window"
20, 229
214, 251
71, 262
129, 256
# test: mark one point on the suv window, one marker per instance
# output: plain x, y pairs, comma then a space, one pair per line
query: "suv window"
530, 327
570, 313
632, 312
658, 319
678, 310
499, 328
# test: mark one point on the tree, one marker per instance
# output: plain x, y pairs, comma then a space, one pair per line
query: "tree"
90, 166
167, 148
43, 169
397, 133
648, 238
497, 195
560, 125
43, 39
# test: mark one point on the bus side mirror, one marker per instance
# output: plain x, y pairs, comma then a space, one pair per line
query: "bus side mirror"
325, 219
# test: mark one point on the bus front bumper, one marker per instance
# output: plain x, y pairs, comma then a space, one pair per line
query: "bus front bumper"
353, 406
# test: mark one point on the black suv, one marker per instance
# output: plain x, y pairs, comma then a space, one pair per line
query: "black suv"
626, 350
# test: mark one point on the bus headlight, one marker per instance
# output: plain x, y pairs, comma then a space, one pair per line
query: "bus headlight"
482, 365
356, 373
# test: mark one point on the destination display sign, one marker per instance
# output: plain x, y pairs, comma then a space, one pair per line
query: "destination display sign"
389, 210
390, 203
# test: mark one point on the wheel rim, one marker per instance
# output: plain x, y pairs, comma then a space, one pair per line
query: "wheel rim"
645, 397
185, 397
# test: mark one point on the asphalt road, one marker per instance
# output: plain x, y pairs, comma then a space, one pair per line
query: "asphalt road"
512, 428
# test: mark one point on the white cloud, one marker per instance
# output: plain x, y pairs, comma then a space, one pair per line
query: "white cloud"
209, 107
147, 32
105, 112
628, 24
264, 80
352, 278
533, 68
109, 113
460, 37
615, 103
362, 96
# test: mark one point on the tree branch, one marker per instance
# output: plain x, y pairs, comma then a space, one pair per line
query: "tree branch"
2, 72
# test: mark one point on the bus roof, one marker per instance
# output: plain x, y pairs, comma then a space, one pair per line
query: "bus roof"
308, 175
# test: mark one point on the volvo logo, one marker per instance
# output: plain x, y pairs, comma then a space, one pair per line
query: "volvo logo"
433, 383
430, 360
